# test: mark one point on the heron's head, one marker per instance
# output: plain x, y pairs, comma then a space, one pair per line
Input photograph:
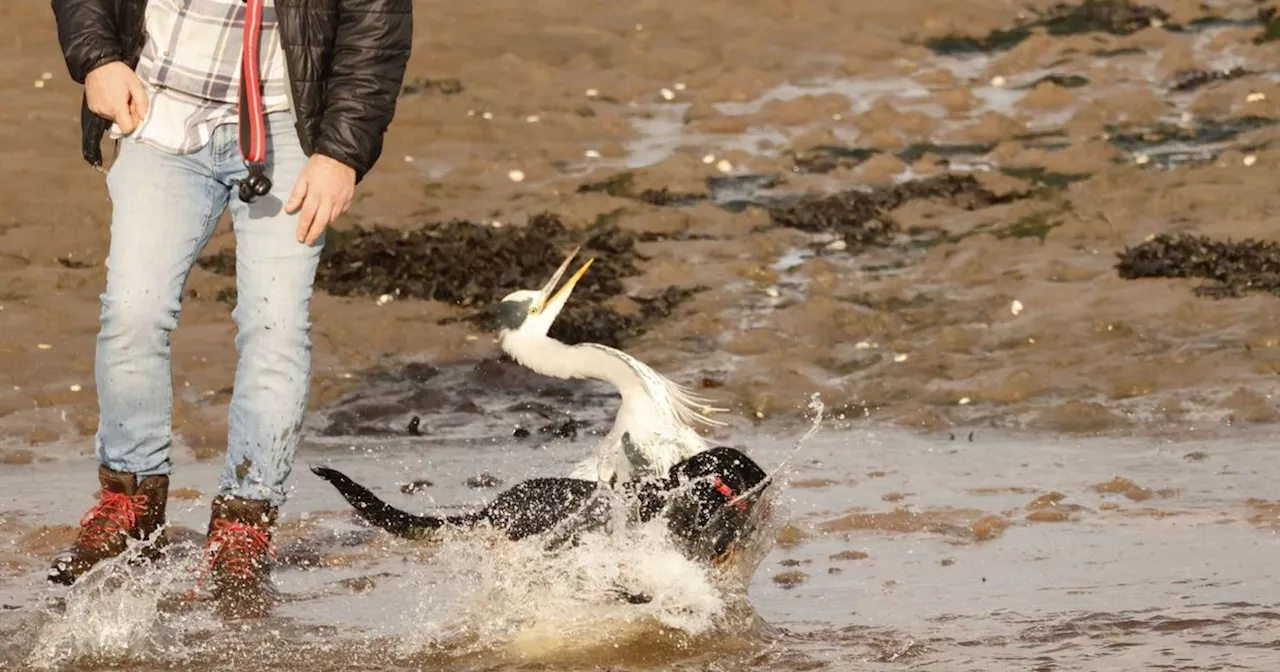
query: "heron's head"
533, 311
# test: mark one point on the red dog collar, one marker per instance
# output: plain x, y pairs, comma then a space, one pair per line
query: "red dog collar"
727, 491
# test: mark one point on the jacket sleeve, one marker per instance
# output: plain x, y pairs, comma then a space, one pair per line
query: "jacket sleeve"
87, 34
371, 50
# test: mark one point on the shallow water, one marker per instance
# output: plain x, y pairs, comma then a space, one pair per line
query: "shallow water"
1168, 569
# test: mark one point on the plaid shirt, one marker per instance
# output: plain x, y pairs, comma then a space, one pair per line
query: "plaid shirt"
191, 68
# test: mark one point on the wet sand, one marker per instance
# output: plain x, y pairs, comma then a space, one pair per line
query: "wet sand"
703, 134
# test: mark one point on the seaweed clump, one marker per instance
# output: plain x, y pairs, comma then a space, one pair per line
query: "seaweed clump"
473, 265
469, 264
1234, 267
826, 158
420, 85
862, 218
1190, 80
1270, 25
1178, 143
1117, 17
622, 185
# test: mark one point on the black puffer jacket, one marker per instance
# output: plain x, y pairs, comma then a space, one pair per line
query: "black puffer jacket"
346, 61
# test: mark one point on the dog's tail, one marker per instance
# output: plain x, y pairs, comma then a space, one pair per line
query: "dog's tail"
380, 513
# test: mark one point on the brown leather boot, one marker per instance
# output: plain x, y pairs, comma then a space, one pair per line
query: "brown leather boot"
126, 508
238, 553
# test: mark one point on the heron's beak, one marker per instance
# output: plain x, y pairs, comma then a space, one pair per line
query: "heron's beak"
545, 292
554, 304
557, 302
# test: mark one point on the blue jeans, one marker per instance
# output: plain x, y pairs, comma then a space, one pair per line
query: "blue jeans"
164, 210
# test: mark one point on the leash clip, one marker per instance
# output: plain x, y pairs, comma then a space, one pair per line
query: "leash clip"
256, 184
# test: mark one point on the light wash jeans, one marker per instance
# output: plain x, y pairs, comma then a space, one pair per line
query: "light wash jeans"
164, 210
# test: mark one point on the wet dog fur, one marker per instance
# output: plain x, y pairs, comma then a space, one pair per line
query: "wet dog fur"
706, 501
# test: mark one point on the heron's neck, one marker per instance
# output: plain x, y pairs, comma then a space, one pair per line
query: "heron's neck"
550, 357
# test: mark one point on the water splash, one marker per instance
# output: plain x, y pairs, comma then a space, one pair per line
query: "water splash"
116, 612
519, 601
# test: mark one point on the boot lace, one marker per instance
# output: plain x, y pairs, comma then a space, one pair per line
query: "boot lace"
235, 549
114, 513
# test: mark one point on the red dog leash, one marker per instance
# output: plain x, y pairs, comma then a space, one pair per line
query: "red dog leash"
253, 122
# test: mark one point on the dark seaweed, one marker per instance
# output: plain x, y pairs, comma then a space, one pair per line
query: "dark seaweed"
1185, 142
1065, 81
826, 158
447, 87
1270, 25
474, 265
1235, 268
1190, 80
1117, 17
622, 185
862, 217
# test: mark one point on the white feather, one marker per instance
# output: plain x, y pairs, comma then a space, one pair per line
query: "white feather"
658, 413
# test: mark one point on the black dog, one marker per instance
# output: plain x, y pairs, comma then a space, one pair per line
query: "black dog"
706, 501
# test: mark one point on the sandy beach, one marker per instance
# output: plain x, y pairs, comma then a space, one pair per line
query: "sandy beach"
943, 218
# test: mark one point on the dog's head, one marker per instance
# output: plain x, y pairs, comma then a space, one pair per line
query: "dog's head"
712, 506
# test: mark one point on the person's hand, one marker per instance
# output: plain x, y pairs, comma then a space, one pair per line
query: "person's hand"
114, 92
323, 193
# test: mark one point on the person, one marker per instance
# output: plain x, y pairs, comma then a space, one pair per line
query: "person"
319, 83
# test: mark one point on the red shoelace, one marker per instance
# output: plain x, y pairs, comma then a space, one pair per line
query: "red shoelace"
114, 513
239, 548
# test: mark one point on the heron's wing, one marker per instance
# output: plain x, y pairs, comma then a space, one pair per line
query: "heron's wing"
689, 408
692, 408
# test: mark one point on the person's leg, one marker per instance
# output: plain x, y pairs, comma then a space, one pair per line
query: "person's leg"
164, 208
274, 276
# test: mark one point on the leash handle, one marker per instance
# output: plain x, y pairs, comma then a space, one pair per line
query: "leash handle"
253, 123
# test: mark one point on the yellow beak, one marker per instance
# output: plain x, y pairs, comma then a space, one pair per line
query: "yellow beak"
558, 300
555, 279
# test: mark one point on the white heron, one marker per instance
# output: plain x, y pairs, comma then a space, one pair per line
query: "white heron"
655, 424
